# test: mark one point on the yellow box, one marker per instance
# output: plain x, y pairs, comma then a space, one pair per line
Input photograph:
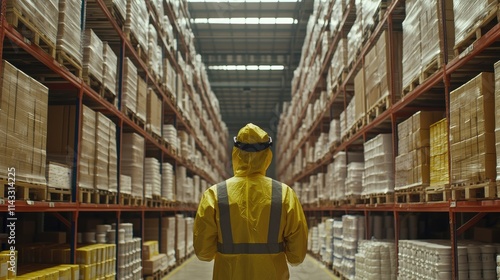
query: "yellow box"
86, 255
11, 263
149, 249
87, 272
74, 270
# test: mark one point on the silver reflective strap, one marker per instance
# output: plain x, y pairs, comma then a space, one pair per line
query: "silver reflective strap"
271, 247
275, 218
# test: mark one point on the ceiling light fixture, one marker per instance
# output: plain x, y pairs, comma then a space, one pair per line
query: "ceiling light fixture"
250, 20
247, 67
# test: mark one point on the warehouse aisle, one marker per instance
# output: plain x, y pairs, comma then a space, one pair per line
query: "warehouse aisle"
196, 269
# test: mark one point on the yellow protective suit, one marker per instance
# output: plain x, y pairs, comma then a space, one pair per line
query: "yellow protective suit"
249, 195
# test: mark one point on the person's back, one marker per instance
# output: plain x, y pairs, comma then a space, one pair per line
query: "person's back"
250, 224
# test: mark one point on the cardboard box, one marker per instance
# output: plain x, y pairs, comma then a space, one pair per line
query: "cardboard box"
487, 235
154, 264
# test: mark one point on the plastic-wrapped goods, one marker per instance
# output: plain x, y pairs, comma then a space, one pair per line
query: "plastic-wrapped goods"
152, 175
189, 235
334, 133
345, 243
154, 112
168, 181
87, 149
439, 172
133, 161
353, 182
23, 129
376, 260
109, 69
472, 115
497, 119
125, 184
412, 52
180, 250
379, 165
43, 14
58, 175
170, 135
129, 256
118, 5
338, 9
129, 90
338, 176
468, 15
180, 183
69, 29
137, 19
154, 52
92, 64
112, 160
142, 97
196, 186
101, 164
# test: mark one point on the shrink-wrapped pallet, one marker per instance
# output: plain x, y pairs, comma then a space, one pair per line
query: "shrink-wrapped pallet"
338, 176
168, 182
189, 235
133, 161
180, 242
142, 97
338, 10
125, 184
101, 178
469, 14
23, 130
58, 176
109, 69
69, 29
170, 136
152, 175
43, 14
196, 186
129, 90
472, 125
353, 182
412, 52
376, 260
359, 96
136, 21
87, 149
92, 64
154, 112
379, 165
180, 183
347, 234
154, 51
334, 133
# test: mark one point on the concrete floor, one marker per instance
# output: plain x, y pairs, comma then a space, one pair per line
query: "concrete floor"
196, 269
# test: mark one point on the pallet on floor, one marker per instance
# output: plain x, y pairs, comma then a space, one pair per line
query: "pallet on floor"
415, 194
482, 26
439, 193
30, 31
379, 198
338, 274
58, 194
158, 275
474, 191
23, 190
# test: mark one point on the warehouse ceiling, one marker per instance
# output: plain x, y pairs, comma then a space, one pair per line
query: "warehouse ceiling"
271, 38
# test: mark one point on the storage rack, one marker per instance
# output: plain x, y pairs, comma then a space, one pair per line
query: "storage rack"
69, 88
479, 56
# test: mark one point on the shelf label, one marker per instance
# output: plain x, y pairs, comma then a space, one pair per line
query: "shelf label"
30, 202
467, 51
453, 204
51, 204
2, 201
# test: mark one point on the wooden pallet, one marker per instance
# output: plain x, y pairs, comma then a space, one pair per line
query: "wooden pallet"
134, 118
141, 52
68, 62
125, 199
136, 201
158, 275
378, 108
338, 274
377, 17
431, 68
58, 194
410, 195
482, 26
167, 203
105, 197
30, 31
354, 200
474, 191
98, 87
380, 198
439, 193
360, 123
23, 190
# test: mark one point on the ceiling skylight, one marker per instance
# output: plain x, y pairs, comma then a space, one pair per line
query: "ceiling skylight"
246, 67
244, 21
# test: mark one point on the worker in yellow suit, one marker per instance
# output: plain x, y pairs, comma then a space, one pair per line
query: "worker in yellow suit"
250, 224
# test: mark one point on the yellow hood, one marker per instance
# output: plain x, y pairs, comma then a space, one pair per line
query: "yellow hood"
251, 163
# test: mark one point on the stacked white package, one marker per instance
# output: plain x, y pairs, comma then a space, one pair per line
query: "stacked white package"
376, 260
353, 181
129, 252
338, 250
321, 192
125, 184
69, 29
189, 190
180, 250
43, 15
314, 235
334, 133
312, 194
171, 231
321, 147
92, 64
419, 259
170, 135
197, 188
137, 19
129, 90
109, 69
133, 161
58, 176
189, 235
152, 175
347, 118
154, 52
326, 241
180, 183
184, 143
168, 182
338, 176
379, 165
353, 229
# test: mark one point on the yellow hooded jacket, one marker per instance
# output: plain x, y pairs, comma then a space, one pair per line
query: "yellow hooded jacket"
248, 252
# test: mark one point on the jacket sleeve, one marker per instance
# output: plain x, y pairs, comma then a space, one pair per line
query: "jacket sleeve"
205, 228
295, 232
